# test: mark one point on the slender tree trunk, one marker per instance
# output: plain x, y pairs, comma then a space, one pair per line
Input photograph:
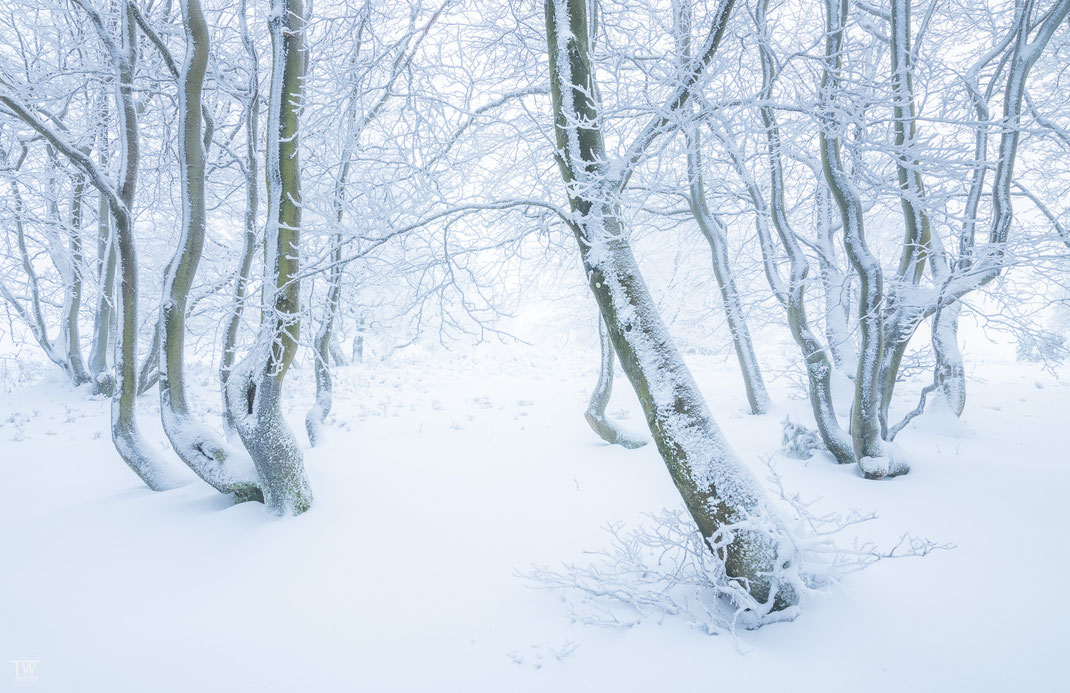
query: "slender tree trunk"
252, 203
322, 346
819, 367
876, 459
73, 302
718, 490
104, 315
835, 287
125, 432
596, 417
713, 229
197, 445
899, 327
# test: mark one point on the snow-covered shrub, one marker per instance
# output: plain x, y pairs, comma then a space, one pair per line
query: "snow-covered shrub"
664, 568
798, 441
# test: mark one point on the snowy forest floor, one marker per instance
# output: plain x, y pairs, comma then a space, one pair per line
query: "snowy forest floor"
444, 478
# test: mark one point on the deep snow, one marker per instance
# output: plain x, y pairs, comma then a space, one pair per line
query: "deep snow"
444, 476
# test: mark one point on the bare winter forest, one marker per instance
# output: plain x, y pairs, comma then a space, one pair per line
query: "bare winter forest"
557, 345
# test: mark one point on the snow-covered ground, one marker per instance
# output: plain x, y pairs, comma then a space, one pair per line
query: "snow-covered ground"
446, 477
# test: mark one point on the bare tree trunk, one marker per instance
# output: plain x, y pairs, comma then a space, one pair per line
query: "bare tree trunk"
255, 385
876, 459
713, 229
819, 367
73, 300
899, 327
718, 490
835, 286
104, 314
322, 346
252, 202
125, 432
596, 417
198, 446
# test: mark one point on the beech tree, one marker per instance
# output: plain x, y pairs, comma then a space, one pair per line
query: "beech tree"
717, 488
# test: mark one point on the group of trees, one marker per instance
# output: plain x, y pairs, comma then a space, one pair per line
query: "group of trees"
880, 157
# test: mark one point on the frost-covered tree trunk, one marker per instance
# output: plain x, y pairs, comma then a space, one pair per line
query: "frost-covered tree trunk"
198, 446
835, 285
104, 315
252, 204
601, 424
322, 346
255, 385
126, 435
718, 490
917, 227
714, 231
72, 302
819, 367
876, 458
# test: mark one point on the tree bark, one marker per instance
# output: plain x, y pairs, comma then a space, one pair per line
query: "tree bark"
718, 490
876, 459
198, 446
255, 385
125, 432
252, 204
607, 429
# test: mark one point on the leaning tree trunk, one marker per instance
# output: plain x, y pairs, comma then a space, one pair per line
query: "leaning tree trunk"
255, 385
198, 446
607, 429
718, 490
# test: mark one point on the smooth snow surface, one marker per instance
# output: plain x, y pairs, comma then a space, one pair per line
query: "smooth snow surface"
443, 477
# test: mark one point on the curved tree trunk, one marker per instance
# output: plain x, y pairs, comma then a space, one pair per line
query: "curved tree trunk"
104, 315
72, 303
713, 229
198, 446
819, 367
596, 417
875, 457
125, 432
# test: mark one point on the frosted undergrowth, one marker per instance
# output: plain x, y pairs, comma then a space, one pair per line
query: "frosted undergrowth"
798, 441
662, 569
